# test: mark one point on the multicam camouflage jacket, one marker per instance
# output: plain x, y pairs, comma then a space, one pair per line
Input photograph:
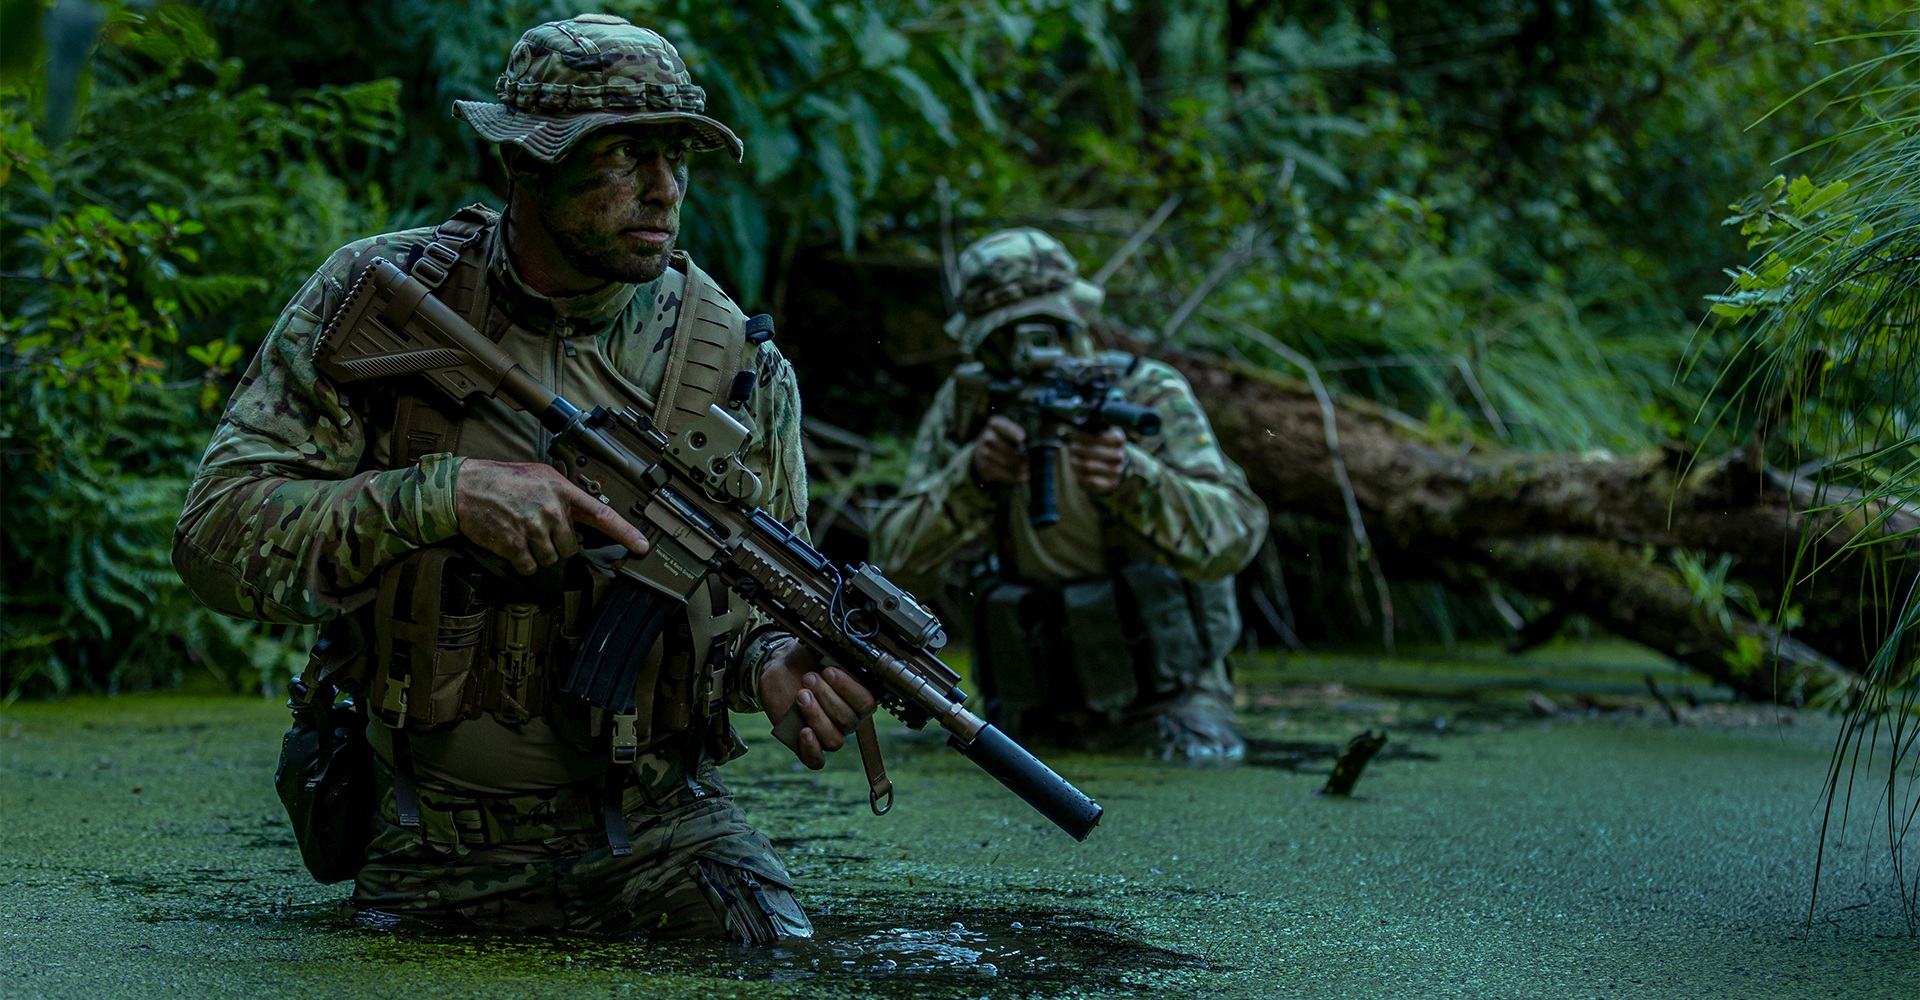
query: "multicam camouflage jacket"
1182, 501
294, 512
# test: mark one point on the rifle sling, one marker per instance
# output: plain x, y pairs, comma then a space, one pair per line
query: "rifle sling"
454, 269
879, 786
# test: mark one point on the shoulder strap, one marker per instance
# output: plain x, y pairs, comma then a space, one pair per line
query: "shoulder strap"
453, 269
451, 241
709, 340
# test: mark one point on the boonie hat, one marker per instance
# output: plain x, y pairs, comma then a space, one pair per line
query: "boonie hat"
567, 78
1016, 273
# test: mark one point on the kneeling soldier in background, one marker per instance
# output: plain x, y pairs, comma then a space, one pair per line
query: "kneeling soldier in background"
1105, 605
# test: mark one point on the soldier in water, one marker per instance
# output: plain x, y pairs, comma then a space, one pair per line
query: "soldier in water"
441, 552
1105, 609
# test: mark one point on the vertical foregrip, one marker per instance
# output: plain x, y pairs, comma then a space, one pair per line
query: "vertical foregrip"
1043, 509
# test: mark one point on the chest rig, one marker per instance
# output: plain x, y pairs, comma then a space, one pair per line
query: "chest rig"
453, 640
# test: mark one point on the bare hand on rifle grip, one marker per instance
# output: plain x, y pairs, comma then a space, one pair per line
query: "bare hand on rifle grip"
1000, 452
830, 702
525, 513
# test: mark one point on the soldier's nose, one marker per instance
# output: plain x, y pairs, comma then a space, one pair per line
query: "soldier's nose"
660, 181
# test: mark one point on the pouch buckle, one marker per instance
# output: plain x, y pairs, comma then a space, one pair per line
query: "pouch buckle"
626, 739
515, 661
719, 661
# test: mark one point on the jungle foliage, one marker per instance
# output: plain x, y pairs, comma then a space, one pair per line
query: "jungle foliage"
1821, 373
1497, 217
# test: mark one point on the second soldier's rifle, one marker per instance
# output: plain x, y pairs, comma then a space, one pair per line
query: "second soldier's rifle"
693, 498
1048, 391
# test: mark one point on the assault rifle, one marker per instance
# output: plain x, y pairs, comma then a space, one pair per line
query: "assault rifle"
693, 499
1047, 391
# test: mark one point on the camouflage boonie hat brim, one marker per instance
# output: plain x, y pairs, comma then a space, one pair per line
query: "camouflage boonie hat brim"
1072, 304
565, 79
1013, 274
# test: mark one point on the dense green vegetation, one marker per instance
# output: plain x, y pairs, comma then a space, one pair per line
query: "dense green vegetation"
1823, 369
1497, 216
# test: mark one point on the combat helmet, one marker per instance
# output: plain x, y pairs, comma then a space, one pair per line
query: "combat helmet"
567, 78
1015, 273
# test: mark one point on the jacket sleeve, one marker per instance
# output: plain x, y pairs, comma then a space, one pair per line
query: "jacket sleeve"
280, 524
940, 508
1181, 496
777, 456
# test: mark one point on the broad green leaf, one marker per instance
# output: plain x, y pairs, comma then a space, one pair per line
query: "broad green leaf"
923, 99
832, 162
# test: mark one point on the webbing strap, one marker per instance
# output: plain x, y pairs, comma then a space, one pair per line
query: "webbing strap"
663, 409
406, 793
879, 786
615, 817
437, 259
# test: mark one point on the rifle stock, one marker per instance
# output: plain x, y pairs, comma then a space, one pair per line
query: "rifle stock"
692, 498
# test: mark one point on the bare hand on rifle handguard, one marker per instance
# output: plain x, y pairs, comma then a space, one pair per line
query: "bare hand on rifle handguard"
1098, 459
830, 702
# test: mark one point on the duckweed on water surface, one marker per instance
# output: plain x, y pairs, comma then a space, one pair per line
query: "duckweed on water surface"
1488, 852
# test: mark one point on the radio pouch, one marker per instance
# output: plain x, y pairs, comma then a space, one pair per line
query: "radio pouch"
1095, 636
1175, 648
1013, 646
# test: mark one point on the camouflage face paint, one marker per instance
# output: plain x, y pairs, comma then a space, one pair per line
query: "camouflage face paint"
613, 206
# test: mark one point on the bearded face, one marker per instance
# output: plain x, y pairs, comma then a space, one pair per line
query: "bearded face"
612, 206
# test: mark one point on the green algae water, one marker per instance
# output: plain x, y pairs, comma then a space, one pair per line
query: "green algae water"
1491, 850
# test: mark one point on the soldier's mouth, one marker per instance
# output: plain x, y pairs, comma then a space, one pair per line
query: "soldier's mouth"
650, 234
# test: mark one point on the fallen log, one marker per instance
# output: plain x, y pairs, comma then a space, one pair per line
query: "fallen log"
1584, 532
